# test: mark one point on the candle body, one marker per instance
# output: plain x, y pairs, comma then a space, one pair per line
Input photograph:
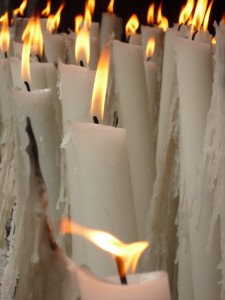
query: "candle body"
110, 24
54, 47
133, 111
38, 105
104, 193
195, 91
135, 39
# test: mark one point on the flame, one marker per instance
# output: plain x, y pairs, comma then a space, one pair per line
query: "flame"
223, 18
4, 34
150, 47
82, 46
206, 19
110, 6
32, 43
214, 40
186, 12
46, 11
199, 14
150, 15
132, 25
100, 84
87, 15
20, 10
161, 20
78, 22
91, 5
129, 253
54, 20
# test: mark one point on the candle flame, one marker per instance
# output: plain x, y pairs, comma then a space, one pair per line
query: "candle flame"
150, 47
199, 14
162, 21
4, 33
100, 84
223, 18
110, 6
129, 253
78, 22
207, 15
54, 20
91, 5
46, 11
150, 14
87, 15
186, 11
132, 25
214, 40
20, 10
82, 45
32, 43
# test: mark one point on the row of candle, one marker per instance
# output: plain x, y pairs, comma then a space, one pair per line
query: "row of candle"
121, 165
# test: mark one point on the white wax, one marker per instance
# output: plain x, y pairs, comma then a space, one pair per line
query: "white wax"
54, 47
168, 84
144, 286
94, 30
38, 105
110, 24
105, 192
135, 39
5, 85
17, 49
133, 111
194, 73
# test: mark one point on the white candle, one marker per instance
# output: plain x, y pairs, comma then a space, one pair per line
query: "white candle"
38, 105
135, 39
54, 47
133, 112
103, 197
194, 74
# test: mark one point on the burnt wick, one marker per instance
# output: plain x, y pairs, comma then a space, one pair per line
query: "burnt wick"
115, 119
121, 270
179, 27
95, 119
27, 86
194, 34
81, 63
6, 54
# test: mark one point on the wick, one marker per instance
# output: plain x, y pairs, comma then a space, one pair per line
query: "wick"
38, 57
120, 266
194, 34
27, 86
6, 54
128, 38
95, 119
115, 119
149, 58
81, 63
179, 27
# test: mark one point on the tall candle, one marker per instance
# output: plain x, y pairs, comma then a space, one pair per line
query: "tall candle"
133, 111
54, 47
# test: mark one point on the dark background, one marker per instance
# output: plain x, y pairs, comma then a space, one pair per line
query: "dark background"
123, 8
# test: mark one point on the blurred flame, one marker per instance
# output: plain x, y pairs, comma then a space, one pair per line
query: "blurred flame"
100, 84
186, 12
150, 47
129, 253
87, 15
199, 14
223, 18
4, 33
32, 43
78, 22
206, 19
150, 15
20, 10
162, 21
132, 25
91, 5
46, 11
54, 20
82, 46
214, 40
110, 6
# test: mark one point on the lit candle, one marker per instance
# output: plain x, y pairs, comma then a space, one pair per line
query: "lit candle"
131, 27
134, 117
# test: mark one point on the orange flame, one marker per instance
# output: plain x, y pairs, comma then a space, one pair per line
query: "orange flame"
91, 5
20, 10
78, 22
199, 15
100, 84
4, 34
82, 46
46, 11
54, 20
186, 11
110, 6
150, 15
223, 18
87, 15
150, 47
214, 40
206, 19
129, 253
32, 43
132, 25
162, 21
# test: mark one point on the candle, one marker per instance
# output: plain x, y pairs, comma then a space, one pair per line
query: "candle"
133, 112
131, 27
54, 47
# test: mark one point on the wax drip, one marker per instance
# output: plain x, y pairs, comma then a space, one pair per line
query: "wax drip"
27, 86
194, 34
120, 266
95, 119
